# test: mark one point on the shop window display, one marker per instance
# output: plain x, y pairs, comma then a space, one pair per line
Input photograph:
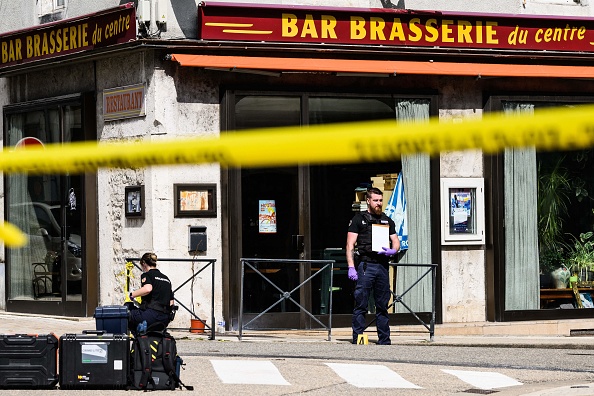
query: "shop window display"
559, 230
565, 227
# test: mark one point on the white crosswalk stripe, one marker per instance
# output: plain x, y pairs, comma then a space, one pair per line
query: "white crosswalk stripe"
371, 376
255, 372
264, 372
484, 379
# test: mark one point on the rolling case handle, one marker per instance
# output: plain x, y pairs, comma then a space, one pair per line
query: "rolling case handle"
98, 332
19, 339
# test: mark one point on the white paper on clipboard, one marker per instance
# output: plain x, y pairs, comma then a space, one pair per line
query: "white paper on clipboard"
380, 237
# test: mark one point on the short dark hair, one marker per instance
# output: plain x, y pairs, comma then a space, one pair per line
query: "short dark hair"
373, 190
149, 259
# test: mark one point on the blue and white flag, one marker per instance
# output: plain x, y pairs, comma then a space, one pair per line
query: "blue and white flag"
396, 210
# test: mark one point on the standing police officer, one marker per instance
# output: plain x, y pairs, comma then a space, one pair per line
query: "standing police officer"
370, 268
156, 293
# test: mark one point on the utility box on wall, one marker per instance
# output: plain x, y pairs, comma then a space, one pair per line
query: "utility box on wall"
197, 239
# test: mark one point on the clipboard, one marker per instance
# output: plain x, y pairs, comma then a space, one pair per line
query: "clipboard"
380, 237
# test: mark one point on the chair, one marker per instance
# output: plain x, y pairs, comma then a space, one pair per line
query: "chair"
42, 280
46, 281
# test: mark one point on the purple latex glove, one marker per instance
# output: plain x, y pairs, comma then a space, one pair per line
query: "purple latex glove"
388, 251
353, 274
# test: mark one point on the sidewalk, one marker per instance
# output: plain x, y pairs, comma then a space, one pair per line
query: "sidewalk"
552, 333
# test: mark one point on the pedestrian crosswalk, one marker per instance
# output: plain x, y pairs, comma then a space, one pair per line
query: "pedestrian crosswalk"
358, 375
370, 376
484, 380
254, 372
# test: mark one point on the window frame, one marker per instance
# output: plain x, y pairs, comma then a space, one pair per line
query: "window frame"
494, 199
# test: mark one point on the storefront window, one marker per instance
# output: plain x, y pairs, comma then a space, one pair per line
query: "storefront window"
49, 267
565, 227
549, 247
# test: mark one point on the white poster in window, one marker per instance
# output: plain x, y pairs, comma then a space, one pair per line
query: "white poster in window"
380, 237
461, 209
267, 216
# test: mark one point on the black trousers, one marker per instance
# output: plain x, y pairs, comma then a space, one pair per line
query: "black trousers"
151, 316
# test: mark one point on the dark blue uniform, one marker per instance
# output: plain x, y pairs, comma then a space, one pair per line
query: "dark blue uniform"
372, 269
155, 306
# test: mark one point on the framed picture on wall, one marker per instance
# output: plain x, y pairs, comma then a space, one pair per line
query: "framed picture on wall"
134, 201
195, 200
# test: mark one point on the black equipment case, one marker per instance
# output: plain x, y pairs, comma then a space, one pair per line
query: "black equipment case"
112, 318
28, 361
94, 360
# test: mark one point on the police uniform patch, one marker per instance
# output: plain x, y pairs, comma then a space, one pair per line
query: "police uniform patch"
143, 279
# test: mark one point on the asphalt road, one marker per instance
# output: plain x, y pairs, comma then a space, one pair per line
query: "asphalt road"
546, 358
306, 367
225, 367
276, 363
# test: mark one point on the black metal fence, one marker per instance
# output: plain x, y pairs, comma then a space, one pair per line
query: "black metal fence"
397, 298
286, 295
204, 264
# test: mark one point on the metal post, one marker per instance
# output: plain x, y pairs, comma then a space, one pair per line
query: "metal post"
240, 324
432, 324
330, 303
212, 304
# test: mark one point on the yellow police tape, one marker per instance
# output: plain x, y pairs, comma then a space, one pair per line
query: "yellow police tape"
11, 235
559, 129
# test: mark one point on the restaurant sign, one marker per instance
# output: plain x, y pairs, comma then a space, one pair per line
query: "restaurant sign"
392, 27
124, 102
84, 33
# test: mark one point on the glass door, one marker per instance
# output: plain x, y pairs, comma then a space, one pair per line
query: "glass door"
271, 217
47, 274
312, 206
270, 229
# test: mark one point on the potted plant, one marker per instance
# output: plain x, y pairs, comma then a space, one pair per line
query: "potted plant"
550, 260
553, 271
581, 256
553, 187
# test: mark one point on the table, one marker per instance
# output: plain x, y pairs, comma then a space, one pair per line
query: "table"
556, 294
549, 296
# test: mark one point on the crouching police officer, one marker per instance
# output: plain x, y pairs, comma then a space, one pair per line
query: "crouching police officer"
157, 298
370, 269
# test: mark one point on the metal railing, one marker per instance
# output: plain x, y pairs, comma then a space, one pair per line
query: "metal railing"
285, 295
397, 298
207, 263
